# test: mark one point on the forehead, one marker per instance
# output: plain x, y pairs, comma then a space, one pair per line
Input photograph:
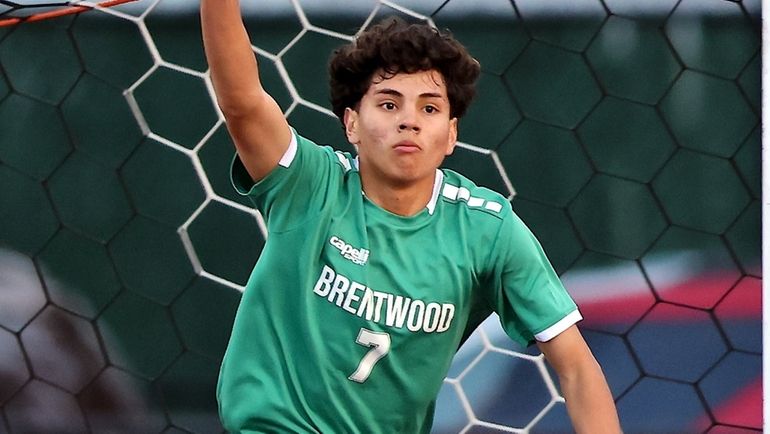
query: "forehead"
419, 82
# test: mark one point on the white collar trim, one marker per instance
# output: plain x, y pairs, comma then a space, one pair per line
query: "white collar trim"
436, 190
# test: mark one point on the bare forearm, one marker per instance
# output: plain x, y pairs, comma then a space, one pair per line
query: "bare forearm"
589, 401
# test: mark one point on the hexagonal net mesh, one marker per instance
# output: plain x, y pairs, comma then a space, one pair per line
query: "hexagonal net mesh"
630, 131
12, 12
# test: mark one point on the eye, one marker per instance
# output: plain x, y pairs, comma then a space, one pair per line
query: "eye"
389, 106
431, 109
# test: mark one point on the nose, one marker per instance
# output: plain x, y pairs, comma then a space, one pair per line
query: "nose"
408, 121
408, 124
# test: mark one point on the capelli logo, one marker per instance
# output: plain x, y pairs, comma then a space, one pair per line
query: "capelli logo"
356, 256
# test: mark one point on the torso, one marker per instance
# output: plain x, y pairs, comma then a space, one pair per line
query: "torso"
329, 295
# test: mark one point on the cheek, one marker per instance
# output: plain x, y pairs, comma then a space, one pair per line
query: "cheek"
445, 137
378, 133
373, 128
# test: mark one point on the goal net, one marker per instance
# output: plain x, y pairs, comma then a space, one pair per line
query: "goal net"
626, 136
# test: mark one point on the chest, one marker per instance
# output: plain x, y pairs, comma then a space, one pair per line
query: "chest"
425, 261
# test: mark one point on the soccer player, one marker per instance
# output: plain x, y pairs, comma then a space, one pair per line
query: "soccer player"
376, 266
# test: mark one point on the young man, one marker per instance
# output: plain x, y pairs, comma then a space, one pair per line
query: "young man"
377, 267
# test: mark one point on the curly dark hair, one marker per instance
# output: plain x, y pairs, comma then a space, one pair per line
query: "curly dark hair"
393, 47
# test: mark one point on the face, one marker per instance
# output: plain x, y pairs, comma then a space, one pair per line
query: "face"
402, 128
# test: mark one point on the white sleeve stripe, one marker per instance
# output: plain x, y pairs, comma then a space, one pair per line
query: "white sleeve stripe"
463, 193
475, 201
450, 191
563, 324
290, 153
344, 161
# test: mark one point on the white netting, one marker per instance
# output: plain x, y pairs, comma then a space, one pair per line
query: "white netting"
619, 121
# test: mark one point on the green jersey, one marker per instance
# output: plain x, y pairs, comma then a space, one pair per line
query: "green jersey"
352, 315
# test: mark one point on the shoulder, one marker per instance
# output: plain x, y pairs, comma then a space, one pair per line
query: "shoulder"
460, 194
343, 160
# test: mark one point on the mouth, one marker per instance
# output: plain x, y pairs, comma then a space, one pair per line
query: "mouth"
406, 146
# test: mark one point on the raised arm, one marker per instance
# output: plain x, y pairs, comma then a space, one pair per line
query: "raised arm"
588, 398
254, 120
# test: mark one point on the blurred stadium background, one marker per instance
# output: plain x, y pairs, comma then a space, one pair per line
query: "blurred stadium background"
626, 134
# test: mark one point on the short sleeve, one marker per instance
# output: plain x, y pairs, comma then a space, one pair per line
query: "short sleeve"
296, 187
526, 292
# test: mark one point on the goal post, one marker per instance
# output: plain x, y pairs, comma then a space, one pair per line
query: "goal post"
27, 12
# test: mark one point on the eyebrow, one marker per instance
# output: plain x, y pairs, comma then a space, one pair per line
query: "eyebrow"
394, 92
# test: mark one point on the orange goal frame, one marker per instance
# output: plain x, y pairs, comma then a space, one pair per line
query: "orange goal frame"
65, 10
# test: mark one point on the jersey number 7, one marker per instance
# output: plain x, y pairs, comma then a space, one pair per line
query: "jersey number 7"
379, 344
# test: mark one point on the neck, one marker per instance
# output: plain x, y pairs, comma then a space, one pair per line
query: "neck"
404, 200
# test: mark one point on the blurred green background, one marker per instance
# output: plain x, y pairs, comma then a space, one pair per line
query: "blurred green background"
626, 134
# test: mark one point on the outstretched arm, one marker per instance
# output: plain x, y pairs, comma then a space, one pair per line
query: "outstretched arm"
588, 398
254, 120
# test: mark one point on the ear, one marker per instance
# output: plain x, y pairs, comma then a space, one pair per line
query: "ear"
452, 136
351, 125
